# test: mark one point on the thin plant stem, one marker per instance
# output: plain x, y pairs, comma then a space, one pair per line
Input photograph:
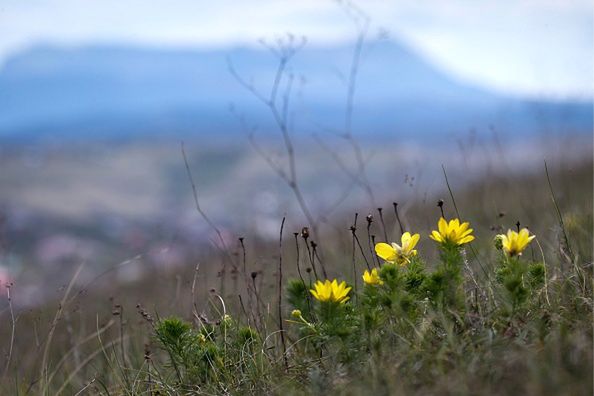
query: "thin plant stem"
559, 216
280, 293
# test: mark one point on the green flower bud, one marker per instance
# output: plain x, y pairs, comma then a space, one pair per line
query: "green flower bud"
498, 242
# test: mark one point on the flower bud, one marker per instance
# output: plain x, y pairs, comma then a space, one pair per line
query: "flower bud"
227, 320
498, 242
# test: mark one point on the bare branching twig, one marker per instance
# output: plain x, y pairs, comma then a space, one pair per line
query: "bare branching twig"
284, 50
223, 245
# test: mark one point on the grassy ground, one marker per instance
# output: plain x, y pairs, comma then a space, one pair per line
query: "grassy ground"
453, 320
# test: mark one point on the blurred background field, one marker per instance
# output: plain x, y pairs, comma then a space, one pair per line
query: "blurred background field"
92, 117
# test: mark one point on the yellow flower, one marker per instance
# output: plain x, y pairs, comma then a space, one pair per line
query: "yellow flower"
372, 278
331, 291
514, 242
400, 254
452, 232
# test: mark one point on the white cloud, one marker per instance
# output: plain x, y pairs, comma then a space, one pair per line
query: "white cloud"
537, 47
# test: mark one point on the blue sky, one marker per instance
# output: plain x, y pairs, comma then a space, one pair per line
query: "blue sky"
539, 48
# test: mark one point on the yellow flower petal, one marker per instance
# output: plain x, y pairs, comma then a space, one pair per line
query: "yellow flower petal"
405, 238
467, 239
408, 242
385, 251
463, 227
436, 236
413, 241
454, 223
442, 226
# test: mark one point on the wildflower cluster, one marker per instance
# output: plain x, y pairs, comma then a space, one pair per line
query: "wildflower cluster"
401, 298
402, 290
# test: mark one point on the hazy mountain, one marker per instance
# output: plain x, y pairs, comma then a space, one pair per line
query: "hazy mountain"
121, 91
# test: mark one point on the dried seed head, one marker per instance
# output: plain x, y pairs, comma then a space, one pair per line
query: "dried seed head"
440, 203
254, 274
147, 352
305, 232
369, 218
308, 270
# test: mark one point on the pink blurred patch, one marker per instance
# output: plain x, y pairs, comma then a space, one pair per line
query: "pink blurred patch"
61, 247
5, 278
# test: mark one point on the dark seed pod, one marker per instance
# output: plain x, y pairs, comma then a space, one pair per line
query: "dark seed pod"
305, 232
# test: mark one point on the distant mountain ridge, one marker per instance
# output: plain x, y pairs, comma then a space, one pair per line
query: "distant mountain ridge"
123, 91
